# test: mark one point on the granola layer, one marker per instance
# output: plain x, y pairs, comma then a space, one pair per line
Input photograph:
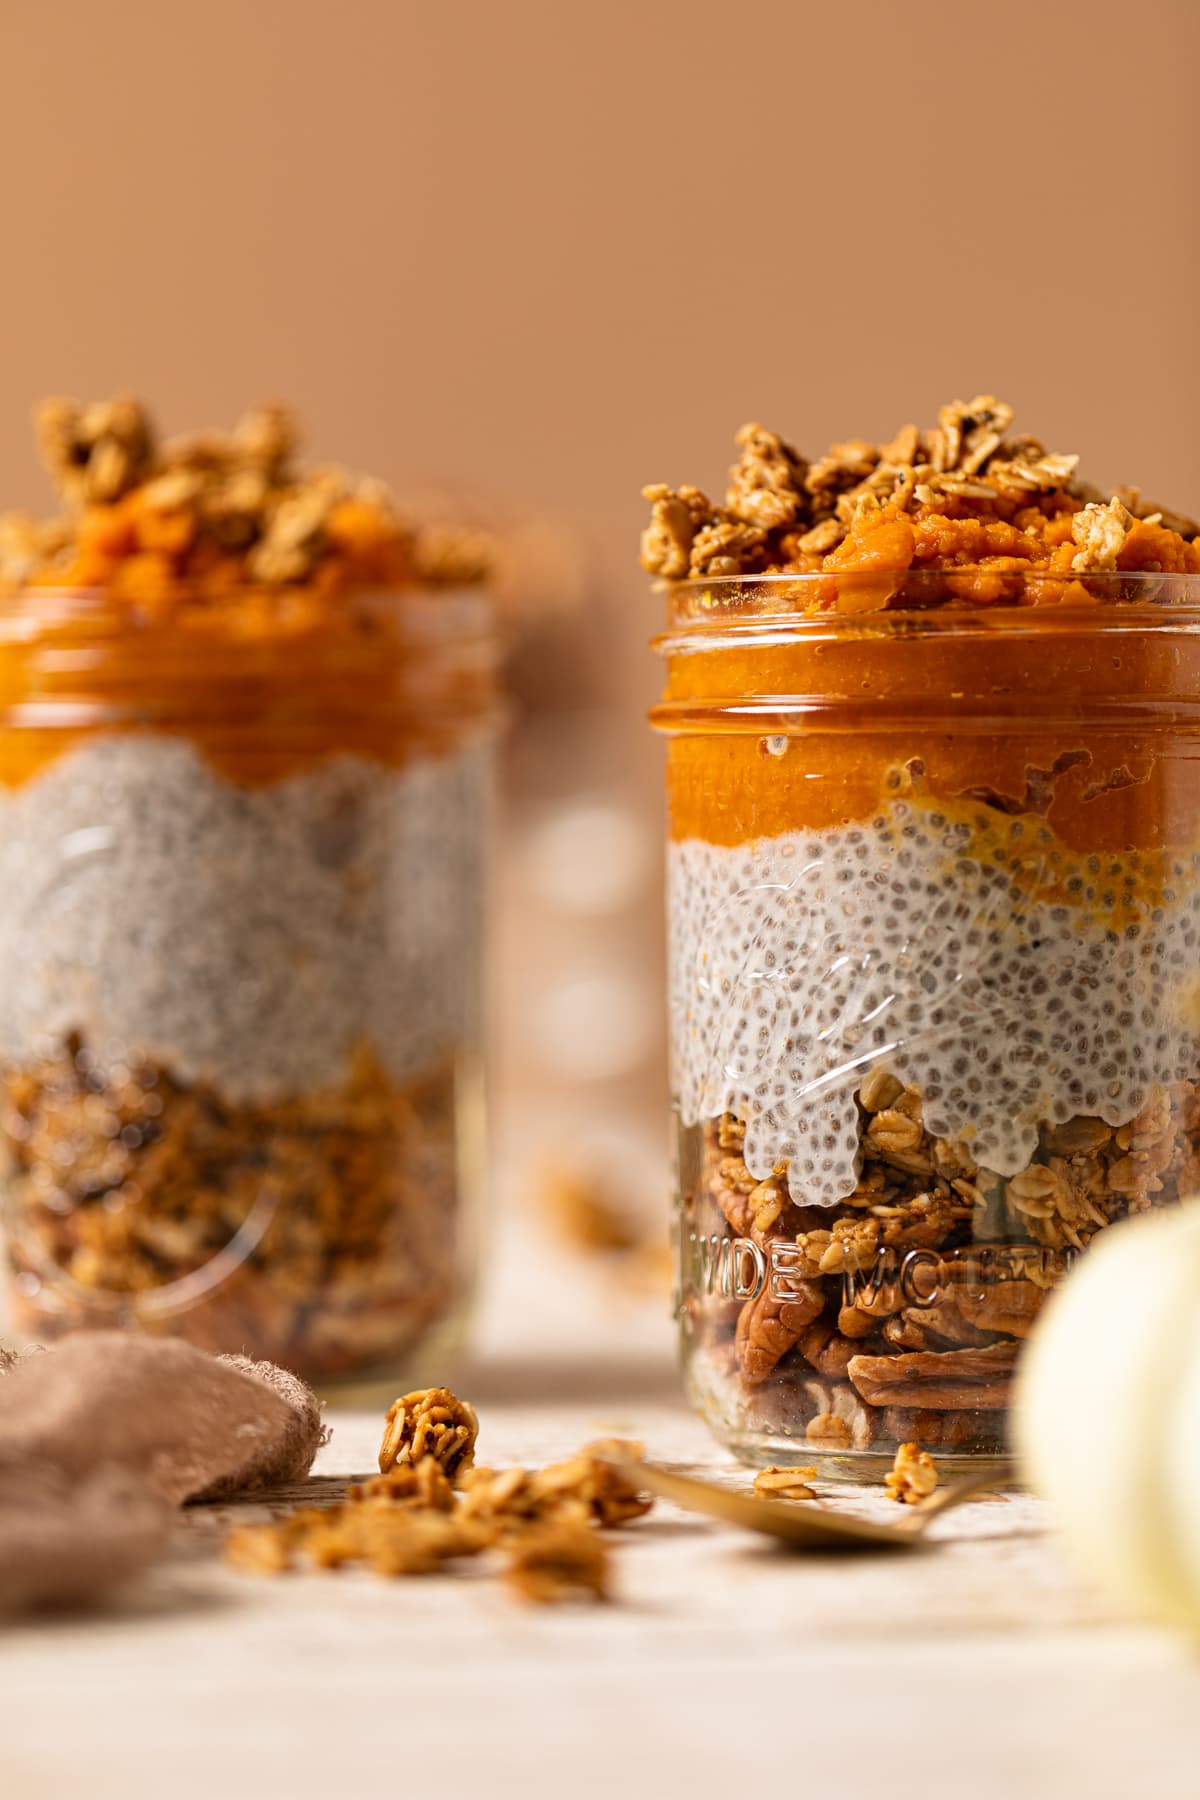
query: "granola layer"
322, 1232
235, 1025
898, 1315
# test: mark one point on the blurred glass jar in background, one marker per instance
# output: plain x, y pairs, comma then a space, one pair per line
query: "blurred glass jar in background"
241, 849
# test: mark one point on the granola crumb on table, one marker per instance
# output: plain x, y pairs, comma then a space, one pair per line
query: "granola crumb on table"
590, 1487
421, 1484
432, 1507
775, 1483
912, 1477
561, 1561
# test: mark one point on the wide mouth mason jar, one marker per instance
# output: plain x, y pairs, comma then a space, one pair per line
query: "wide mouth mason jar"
934, 921
241, 856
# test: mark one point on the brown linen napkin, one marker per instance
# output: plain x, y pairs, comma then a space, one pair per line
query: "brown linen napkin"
103, 1434
67, 1542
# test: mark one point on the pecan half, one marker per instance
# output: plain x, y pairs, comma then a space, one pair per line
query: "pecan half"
935, 1379
902, 1334
826, 1350
944, 1318
768, 1328
940, 1430
1009, 1307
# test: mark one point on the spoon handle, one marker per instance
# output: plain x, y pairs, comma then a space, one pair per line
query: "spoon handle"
954, 1495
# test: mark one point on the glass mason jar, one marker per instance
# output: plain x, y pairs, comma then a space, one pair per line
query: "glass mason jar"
240, 927
934, 918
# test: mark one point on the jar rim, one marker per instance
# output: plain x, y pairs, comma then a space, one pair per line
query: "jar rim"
798, 578
425, 614
879, 602
86, 659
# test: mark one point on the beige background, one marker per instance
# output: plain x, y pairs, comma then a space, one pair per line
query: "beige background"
546, 252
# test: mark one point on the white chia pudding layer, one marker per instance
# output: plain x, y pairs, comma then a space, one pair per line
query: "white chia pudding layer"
247, 936
1015, 986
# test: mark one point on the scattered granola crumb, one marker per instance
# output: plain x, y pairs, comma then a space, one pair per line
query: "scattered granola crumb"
776, 1483
419, 1484
598, 1483
549, 1564
430, 1422
913, 1475
411, 1520
590, 1488
260, 1549
584, 1215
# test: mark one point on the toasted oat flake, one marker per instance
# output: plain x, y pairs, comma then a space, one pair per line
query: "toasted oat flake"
779, 1483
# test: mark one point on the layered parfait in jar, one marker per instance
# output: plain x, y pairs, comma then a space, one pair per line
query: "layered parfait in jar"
934, 917
244, 721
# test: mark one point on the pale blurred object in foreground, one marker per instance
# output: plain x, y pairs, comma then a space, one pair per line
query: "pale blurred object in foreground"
1107, 1414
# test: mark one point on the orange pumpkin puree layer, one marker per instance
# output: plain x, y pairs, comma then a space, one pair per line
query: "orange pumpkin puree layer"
875, 646
263, 690
811, 736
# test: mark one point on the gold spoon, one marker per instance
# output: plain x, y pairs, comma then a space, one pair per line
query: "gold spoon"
805, 1524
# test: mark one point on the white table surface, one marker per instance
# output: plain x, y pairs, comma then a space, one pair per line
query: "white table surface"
982, 1667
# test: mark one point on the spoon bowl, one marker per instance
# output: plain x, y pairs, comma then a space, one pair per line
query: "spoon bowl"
806, 1524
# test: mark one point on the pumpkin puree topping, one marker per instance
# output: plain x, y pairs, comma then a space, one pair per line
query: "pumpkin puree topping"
958, 496
927, 600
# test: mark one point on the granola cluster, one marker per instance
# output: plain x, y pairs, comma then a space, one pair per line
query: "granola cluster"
316, 1232
965, 495
208, 517
433, 1509
912, 1477
430, 1425
590, 1488
898, 1315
